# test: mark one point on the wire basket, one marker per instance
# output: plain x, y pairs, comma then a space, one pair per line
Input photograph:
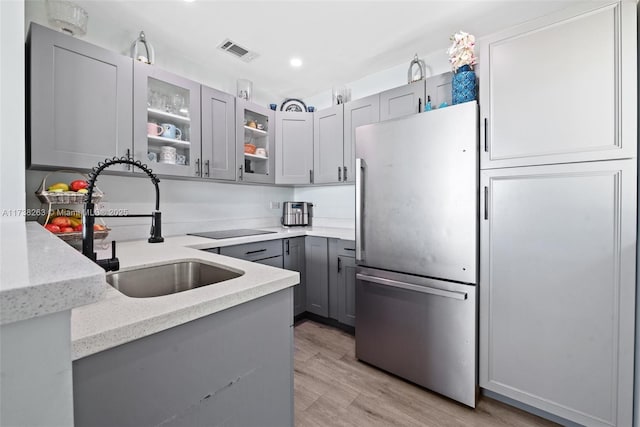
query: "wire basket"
77, 235
65, 197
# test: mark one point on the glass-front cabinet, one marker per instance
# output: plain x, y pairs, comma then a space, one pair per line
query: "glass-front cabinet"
255, 142
166, 133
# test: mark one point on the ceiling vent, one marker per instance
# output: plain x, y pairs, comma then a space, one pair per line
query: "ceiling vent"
238, 51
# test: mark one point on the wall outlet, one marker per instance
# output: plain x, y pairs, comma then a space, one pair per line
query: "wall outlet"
274, 205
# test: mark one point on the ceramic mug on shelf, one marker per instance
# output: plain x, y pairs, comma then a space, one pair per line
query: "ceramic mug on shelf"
168, 155
154, 129
261, 152
171, 131
181, 159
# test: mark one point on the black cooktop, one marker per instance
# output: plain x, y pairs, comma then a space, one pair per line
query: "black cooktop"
228, 234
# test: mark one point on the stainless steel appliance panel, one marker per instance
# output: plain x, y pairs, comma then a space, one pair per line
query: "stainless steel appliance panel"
417, 194
420, 329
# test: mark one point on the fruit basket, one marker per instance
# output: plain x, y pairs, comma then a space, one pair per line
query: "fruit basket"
64, 197
66, 223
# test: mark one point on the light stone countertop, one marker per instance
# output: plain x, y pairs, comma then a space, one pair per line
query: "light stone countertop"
118, 319
40, 274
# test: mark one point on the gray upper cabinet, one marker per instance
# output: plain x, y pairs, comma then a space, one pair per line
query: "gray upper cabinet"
402, 101
328, 141
166, 114
360, 112
541, 106
294, 147
218, 134
80, 100
294, 260
439, 89
317, 274
557, 288
255, 126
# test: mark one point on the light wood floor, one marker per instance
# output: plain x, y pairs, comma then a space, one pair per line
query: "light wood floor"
333, 389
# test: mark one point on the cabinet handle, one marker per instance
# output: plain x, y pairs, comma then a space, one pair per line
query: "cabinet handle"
339, 173
240, 175
197, 167
310, 176
360, 168
486, 202
419, 105
486, 145
206, 164
128, 158
287, 247
257, 251
344, 173
339, 265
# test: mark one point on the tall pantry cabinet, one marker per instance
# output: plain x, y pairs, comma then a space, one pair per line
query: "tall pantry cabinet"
558, 213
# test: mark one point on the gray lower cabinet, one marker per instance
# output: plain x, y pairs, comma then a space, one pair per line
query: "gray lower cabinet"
328, 141
557, 288
347, 290
589, 124
80, 99
231, 368
317, 275
402, 101
360, 112
294, 259
294, 147
254, 251
218, 134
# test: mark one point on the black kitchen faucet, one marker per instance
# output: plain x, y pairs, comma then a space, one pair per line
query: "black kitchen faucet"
113, 264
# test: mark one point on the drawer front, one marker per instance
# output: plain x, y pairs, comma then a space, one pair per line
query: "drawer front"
347, 248
254, 251
275, 261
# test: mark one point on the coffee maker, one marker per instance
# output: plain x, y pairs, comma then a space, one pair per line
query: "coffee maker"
296, 214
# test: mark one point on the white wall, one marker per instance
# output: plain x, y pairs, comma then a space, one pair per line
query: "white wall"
334, 206
12, 135
186, 206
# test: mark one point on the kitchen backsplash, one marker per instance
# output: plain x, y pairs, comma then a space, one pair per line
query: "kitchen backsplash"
189, 206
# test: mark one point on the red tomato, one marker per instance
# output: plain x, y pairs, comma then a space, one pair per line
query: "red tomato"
52, 228
78, 185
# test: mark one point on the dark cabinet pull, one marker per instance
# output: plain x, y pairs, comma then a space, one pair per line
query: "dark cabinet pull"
288, 247
197, 167
486, 202
257, 251
339, 173
486, 144
128, 158
310, 176
206, 164
240, 174
339, 265
344, 173
350, 249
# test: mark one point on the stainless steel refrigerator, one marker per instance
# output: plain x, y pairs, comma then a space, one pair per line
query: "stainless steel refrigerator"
417, 248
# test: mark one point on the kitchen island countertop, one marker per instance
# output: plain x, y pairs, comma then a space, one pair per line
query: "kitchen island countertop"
118, 319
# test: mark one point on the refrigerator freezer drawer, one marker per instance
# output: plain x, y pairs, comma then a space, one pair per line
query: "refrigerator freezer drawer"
420, 329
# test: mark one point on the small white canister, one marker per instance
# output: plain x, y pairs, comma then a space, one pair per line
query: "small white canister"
168, 155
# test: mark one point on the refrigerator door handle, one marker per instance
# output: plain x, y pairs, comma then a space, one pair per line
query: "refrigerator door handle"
360, 165
411, 287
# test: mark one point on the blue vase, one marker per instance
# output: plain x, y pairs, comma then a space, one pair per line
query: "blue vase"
463, 85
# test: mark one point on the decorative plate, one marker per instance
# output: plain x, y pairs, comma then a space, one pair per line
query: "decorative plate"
292, 104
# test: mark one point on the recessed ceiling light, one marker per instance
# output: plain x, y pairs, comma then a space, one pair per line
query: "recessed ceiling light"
296, 62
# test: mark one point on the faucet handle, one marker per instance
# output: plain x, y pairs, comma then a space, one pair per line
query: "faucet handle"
113, 249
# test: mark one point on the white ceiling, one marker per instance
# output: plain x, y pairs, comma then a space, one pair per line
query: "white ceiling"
339, 41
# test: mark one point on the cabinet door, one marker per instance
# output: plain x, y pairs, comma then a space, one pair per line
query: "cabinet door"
316, 252
541, 105
80, 102
557, 288
347, 290
357, 113
255, 128
218, 134
166, 116
439, 89
402, 101
294, 147
294, 259
328, 142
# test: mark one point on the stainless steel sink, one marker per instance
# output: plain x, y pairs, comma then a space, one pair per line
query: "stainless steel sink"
168, 278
